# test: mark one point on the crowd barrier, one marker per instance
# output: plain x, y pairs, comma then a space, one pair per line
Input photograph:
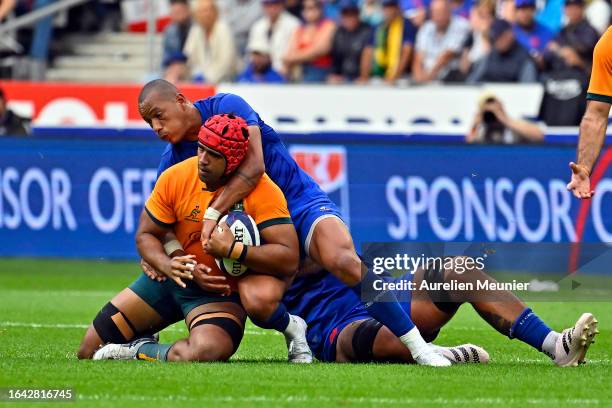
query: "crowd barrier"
82, 198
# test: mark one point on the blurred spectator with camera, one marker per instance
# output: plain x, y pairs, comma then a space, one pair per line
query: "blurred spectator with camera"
175, 35
493, 125
310, 46
276, 27
350, 39
259, 68
530, 34
389, 51
477, 45
210, 47
507, 61
439, 43
11, 124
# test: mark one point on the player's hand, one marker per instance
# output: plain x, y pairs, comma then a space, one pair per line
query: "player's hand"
179, 268
580, 183
208, 226
220, 241
151, 272
211, 283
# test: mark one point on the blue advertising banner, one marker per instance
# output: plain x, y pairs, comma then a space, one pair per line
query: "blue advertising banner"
82, 199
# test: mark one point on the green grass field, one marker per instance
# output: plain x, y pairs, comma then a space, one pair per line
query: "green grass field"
45, 306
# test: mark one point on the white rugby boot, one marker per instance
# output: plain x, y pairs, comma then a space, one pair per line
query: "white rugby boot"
125, 351
572, 344
463, 354
297, 345
430, 357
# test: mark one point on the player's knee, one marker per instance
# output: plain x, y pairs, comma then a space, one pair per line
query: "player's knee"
209, 353
346, 266
259, 304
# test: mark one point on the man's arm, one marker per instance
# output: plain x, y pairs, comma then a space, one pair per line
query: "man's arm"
247, 176
279, 256
149, 238
592, 133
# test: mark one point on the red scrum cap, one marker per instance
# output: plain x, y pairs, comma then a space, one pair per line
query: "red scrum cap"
228, 135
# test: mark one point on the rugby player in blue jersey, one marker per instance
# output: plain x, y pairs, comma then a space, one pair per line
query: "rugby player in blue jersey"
322, 234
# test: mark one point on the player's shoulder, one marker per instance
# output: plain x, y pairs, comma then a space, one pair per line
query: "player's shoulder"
180, 170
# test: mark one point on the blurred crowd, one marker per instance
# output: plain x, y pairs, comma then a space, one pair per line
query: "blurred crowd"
361, 41
377, 41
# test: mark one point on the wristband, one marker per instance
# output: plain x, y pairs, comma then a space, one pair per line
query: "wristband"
243, 254
171, 246
212, 214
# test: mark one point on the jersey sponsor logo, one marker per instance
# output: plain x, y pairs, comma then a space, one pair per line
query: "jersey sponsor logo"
193, 216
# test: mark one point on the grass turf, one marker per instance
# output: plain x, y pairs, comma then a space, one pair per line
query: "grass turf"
45, 306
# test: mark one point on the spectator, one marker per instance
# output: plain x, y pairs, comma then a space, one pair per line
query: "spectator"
371, 12
390, 48
577, 37
439, 44
210, 48
350, 40
533, 36
477, 45
173, 59
276, 27
598, 14
310, 45
569, 63
11, 124
507, 61
493, 125
259, 69
240, 15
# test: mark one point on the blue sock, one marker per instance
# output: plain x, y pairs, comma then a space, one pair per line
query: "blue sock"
529, 328
153, 352
383, 306
278, 321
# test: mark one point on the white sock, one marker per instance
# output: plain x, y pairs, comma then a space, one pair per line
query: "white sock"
549, 346
293, 329
415, 343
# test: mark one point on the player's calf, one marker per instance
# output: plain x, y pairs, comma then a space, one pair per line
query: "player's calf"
261, 298
511, 317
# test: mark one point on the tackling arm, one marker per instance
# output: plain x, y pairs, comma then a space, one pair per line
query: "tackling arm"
246, 177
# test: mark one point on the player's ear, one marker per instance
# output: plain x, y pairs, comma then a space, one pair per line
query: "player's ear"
181, 100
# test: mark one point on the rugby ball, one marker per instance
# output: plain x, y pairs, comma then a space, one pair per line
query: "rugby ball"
245, 230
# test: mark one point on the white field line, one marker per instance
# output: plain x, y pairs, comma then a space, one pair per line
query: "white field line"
84, 326
339, 400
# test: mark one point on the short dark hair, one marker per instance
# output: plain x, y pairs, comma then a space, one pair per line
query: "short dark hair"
160, 86
184, 2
